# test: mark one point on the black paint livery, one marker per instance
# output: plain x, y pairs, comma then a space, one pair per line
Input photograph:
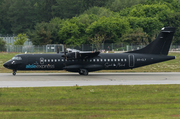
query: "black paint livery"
87, 61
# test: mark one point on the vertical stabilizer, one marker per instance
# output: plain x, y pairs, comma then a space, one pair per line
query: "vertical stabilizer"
160, 45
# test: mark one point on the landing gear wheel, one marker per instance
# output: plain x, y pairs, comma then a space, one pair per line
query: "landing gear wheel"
83, 72
14, 72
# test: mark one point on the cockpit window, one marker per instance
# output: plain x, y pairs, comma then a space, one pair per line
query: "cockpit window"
17, 58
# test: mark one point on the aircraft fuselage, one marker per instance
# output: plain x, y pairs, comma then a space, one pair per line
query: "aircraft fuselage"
86, 61
104, 61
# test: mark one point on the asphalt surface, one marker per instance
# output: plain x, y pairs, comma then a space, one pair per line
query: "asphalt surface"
93, 79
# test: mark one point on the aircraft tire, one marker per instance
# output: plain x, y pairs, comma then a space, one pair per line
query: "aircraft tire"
14, 73
83, 72
80, 73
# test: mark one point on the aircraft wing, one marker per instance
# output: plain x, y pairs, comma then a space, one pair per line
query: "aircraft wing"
88, 54
76, 54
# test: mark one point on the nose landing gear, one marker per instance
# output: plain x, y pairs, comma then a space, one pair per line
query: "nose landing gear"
14, 72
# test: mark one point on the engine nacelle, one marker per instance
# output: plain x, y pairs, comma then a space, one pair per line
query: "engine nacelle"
73, 55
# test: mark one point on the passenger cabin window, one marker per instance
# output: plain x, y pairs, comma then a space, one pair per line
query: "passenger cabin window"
115, 60
45, 60
17, 58
55, 60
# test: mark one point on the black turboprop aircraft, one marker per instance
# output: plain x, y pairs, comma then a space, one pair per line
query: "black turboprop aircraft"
87, 61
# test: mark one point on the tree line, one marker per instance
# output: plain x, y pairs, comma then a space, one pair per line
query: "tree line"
89, 21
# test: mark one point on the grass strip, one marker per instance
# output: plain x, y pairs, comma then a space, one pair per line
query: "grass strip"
101, 102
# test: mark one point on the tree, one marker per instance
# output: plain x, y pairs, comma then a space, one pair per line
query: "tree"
174, 3
72, 8
43, 9
2, 45
99, 11
151, 26
87, 19
67, 8
21, 15
174, 20
72, 32
149, 10
41, 35
111, 28
20, 39
5, 24
46, 33
118, 5
97, 40
54, 25
91, 3
137, 36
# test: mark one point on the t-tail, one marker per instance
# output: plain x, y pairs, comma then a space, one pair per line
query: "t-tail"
159, 46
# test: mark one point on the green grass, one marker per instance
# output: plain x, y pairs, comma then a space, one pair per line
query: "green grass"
99, 102
167, 66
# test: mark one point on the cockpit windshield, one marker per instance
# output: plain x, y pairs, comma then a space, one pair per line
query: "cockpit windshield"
16, 58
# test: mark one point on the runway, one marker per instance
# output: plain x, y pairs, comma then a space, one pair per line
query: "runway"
93, 79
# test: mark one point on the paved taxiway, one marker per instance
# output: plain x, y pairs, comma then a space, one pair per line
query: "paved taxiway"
72, 79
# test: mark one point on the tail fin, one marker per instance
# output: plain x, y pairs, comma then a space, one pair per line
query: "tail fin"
160, 45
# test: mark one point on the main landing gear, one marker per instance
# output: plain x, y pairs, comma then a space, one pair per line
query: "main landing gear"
83, 72
14, 72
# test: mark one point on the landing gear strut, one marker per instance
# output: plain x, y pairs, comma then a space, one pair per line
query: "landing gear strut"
83, 72
14, 72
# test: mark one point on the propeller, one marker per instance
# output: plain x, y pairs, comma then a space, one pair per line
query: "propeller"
65, 51
57, 49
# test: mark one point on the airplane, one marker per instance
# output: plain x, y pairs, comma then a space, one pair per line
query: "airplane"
88, 61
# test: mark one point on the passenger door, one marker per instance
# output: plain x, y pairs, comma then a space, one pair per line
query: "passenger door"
131, 61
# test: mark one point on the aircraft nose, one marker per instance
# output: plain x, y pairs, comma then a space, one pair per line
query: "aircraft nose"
7, 65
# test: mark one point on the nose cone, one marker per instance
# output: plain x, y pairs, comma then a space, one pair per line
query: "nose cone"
6, 65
